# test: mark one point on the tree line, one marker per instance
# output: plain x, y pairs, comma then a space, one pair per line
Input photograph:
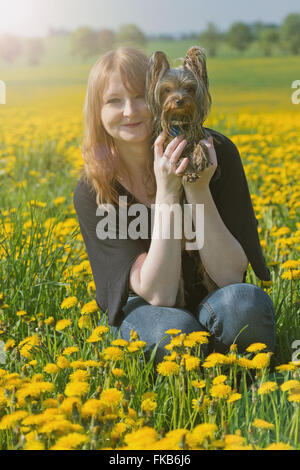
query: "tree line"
86, 42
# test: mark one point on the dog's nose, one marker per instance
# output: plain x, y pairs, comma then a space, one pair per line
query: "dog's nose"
180, 102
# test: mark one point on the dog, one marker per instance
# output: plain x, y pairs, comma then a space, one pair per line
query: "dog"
179, 101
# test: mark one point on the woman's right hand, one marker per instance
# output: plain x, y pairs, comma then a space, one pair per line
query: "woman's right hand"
168, 176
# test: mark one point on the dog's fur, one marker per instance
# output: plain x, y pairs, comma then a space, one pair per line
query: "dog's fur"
179, 101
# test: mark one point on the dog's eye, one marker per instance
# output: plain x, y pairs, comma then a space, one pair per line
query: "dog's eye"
189, 89
167, 90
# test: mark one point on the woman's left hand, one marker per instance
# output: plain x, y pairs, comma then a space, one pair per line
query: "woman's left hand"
203, 181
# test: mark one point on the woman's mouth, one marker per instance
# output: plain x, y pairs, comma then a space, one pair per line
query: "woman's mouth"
132, 125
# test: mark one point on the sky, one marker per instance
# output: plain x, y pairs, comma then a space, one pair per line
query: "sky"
35, 17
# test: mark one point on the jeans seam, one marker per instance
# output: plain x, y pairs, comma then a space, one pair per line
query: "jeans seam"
213, 315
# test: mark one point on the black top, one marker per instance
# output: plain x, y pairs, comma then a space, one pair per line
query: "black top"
112, 259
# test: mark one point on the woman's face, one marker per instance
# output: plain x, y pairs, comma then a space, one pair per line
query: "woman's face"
125, 116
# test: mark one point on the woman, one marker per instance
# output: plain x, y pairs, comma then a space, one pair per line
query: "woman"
137, 278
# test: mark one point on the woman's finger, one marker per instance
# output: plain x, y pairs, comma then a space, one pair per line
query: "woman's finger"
177, 152
172, 145
158, 145
182, 166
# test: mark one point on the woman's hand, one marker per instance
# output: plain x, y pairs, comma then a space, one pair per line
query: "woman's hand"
203, 181
168, 177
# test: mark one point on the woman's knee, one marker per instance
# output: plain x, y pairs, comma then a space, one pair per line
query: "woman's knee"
239, 313
152, 322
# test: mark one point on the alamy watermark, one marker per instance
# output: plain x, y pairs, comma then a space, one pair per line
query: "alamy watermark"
167, 221
2, 92
296, 354
296, 94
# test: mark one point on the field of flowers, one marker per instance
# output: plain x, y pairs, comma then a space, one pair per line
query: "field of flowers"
65, 383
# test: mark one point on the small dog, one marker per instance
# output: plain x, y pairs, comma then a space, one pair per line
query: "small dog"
179, 101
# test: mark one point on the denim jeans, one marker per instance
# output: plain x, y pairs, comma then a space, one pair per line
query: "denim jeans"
238, 313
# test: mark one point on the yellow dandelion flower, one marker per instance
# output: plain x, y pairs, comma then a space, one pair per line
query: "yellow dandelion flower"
198, 383
256, 347
9, 421
220, 390
191, 363
262, 424
111, 396
85, 322
62, 324
291, 274
118, 372
120, 342
168, 368
267, 387
68, 404
63, 362
148, 405
136, 440
21, 313
290, 264
76, 389
34, 445
279, 446
234, 397
49, 321
289, 385
219, 379
173, 331
113, 353
10, 343
69, 302
51, 368
90, 307
70, 441
135, 346
92, 407
79, 376
245, 363
294, 397
200, 433
284, 367
261, 360
70, 350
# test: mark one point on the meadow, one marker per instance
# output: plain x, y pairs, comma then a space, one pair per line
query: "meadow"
65, 383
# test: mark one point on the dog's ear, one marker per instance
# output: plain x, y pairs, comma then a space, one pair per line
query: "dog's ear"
195, 61
158, 65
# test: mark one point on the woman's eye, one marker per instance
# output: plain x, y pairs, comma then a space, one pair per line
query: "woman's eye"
113, 100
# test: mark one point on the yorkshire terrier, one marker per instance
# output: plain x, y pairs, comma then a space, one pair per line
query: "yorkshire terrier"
179, 101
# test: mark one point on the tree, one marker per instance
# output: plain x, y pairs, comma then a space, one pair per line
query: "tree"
267, 39
210, 38
84, 42
239, 36
106, 39
10, 47
130, 34
35, 50
290, 33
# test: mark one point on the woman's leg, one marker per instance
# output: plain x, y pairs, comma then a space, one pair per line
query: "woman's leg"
151, 323
237, 307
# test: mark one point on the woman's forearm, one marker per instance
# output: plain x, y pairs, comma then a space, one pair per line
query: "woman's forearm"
222, 255
160, 272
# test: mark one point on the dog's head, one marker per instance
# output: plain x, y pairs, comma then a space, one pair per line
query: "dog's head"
178, 97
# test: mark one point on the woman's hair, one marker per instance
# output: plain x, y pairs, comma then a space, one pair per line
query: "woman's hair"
101, 159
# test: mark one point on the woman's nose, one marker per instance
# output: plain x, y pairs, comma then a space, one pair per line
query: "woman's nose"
129, 107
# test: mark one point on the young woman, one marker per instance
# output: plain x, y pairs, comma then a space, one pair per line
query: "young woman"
137, 278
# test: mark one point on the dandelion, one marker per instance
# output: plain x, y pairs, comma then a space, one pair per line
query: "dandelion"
267, 387
76, 389
90, 307
69, 302
262, 424
294, 397
279, 446
49, 321
111, 396
21, 313
10, 343
198, 383
219, 379
9, 421
34, 445
168, 368
118, 372
63, 362
70, 350
62, 324
234, 397
148, 405
79, 376
289, 385
292, 274
256, 347
136, 440
135, 346
51, 368
173, 331
191, 363
220, 390
290, 264
261, 360
113, 353
91, 407
120, 342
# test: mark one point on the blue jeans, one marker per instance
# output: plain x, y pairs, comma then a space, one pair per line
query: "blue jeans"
223, 313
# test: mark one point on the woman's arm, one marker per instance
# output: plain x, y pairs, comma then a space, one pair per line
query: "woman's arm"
155, 276
222, 255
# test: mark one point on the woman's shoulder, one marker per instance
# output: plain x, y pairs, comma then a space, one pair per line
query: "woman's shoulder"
84, 194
